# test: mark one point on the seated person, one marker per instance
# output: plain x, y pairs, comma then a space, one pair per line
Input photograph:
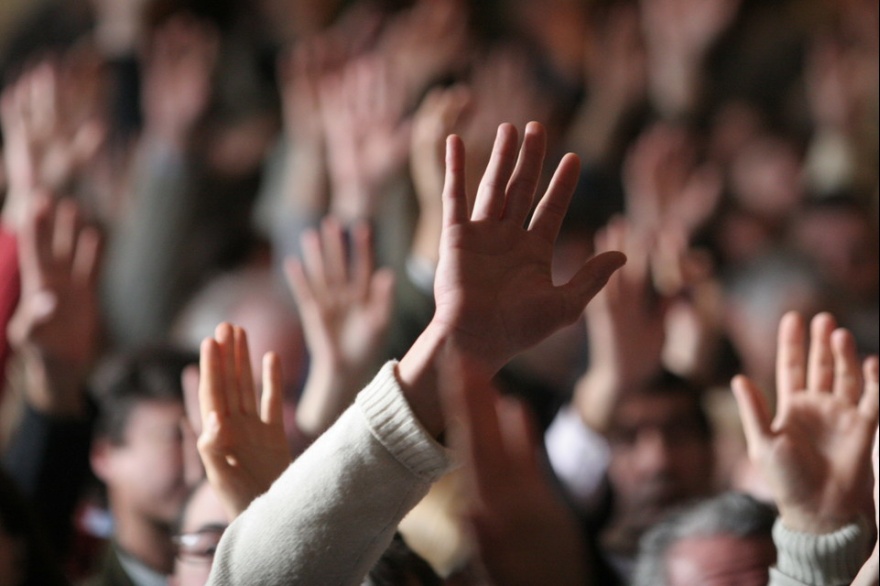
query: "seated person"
146, 461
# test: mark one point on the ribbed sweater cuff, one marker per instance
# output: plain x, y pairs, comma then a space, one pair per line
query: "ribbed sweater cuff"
823, 560
393, 424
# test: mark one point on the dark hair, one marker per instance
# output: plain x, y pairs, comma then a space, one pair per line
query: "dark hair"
126, 380
668, 383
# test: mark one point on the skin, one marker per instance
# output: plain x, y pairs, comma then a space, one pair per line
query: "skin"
813, 451
494, 290
657, 461
203, 511
147, 480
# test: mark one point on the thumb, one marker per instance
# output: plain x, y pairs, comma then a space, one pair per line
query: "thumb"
753, 412
591, 278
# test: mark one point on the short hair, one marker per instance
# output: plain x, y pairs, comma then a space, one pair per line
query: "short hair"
135, 377
665, 383
731, 513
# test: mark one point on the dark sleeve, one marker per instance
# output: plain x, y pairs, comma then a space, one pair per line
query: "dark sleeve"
48, 459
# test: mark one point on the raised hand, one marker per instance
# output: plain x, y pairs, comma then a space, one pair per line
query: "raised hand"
493, 288
814, 452
56, 327
625, 327
367, 134
664, 184
243, 448
435, 119
346, 309
678, 33
52, 127
427, 42
177, 79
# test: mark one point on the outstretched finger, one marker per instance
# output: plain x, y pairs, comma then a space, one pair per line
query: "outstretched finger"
553, 206
847, 371
524, 182
64, 233
820, 362
247, 400
490, 195
754, 413
313, 260
335, 259
225, 336
271, 408
363, 263
299, 284
868, 405
212, 392
86, 263
455, 206
589, 280
791, 360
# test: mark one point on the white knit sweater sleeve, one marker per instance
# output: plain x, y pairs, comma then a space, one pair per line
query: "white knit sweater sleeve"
333, 512
831, 559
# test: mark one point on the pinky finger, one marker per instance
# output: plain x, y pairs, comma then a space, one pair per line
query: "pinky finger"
273, 391
754, 413
868, 405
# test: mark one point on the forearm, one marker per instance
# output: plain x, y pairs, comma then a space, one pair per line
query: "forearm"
330, 516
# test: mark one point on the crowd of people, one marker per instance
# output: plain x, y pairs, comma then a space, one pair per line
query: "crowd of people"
439, 292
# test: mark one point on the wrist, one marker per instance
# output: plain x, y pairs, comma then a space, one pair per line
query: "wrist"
596, 394
52, 388
438, 356
810, 520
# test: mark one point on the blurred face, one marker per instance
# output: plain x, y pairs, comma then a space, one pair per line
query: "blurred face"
660, 456
203, 524
720, 560
146, 475
844, 247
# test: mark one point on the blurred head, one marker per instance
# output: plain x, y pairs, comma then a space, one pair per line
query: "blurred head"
757, 295
141, 452
201, 526
724, 540
839, 236
661, 451
254, 299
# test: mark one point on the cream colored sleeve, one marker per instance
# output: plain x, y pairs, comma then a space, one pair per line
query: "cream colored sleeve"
333, 512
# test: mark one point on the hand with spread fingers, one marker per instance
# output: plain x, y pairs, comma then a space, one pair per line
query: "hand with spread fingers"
814, 452
243, 448
56, 326
345, 306
494, 291
625, 327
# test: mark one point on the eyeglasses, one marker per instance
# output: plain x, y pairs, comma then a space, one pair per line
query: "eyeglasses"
199, 546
